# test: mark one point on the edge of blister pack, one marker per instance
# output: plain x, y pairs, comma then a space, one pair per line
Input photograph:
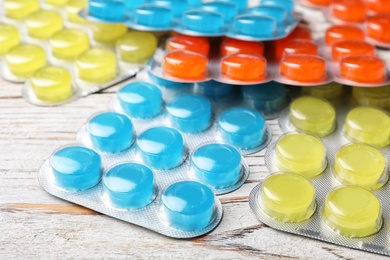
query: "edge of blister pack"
147, 217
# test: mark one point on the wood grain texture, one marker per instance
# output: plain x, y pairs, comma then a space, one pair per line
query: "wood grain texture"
34, 224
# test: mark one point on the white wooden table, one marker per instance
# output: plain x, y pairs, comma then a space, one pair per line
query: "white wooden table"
34, 224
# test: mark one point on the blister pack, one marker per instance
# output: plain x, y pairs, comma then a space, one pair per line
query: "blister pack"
192, 17
59, 64
176, 140
332, 188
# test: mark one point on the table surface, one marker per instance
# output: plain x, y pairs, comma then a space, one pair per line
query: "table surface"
35, 224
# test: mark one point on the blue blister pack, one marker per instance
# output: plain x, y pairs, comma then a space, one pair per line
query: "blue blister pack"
232, 18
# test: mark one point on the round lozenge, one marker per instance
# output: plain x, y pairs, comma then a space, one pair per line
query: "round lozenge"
68, 44
217, 165
343, 49
129, 185
288, 197
361, 165
97, 65
136, 47
110, 132
300, 153
300, 46
377, 27
378, 6
190, 113
338, 33
52, 84
268, 97
352, 211
313, 115
188, 205
327, 91
9, 37
368, 125
44, 24
24, 59
72, 8
241, 127
244, 67
190, 43
231, 46
161, 147
76, 168
303, 68
349, 11
57, 3
363, 69
185, 65
107, 33
378, 96
140, 99
20, 9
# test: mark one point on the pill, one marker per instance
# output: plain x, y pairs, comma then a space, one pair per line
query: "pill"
320, 2
338, 33
140, 99
377, 27
300, 46
213, 89
107, 33
287, 4
327, 91
52, 84
76, 168
277, 12
9, 37
177, 7
202, 22
132, 4
188, 205
43, 24
368, 125
68, 44
232, 46
185, 65
97, 65
217, 165
288, 197
129, 185
189, 43
227, 9
152, 17
352, 211
189, 113
378, 96
363, 69
351, 48
161, 147
349, 11
300, 153
24, 59
267, 98
20, 9
247, 25
136, 47
109, 10
278, 46
362, 165
110, 132
303, 68
57, 3
244, 67
313, 115
241, 5
241, 127
378, 6
72, 8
